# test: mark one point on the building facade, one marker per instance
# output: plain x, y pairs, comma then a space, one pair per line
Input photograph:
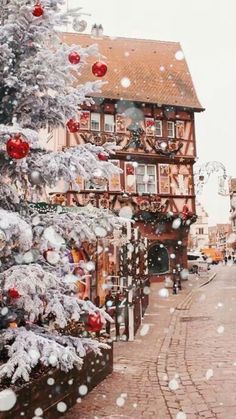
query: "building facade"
219, 237
147, 109
199, 235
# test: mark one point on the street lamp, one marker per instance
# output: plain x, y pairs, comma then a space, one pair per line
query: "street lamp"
202, 173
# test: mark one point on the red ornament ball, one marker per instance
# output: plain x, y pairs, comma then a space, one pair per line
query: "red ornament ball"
94, 322
73, 126
74, 57
102, 157
13, 293
38, 10
17, 148
130, 170
99, 69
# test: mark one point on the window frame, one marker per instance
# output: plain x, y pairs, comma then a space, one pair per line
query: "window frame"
161, 128
91, 121
146, 183
113, 123
173, 129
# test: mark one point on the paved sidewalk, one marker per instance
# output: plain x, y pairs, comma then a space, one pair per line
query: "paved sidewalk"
139, 385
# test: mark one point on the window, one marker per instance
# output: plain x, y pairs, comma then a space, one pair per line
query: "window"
108, 123
146, 178
170, 129
149, 126
201, 230
158, 128
95, 121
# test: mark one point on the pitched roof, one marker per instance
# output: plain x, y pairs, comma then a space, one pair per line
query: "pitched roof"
155, 74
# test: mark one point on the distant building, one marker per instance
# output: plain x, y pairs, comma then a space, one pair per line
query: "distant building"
232, 191
219, 235
198, 237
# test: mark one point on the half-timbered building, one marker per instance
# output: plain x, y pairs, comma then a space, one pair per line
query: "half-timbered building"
146, 107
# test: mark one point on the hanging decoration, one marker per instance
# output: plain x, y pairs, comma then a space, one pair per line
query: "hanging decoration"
94, 322
17, 148
38, 10
74, 57
102, 157
130, 170
185, 212
13, 293
79, 25
73, 126
99, 69
35, 177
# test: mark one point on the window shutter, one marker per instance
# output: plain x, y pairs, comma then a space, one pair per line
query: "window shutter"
164, 178
114, 180
130, 178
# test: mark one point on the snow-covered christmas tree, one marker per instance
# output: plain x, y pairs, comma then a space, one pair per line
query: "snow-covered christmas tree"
38, 300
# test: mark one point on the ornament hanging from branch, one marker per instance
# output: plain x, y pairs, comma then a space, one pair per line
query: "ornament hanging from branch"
17, 148
79, 25
99, 69
38, 10
94, 322
74, 57
13, 293
73, 126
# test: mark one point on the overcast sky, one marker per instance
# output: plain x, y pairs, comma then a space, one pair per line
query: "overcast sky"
206, 30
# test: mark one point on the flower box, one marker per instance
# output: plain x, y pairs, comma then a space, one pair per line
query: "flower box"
56, 389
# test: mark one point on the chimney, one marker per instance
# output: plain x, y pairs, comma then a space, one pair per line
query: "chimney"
97, 31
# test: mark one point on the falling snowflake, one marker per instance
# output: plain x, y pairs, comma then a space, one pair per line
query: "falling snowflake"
50, 381
83, 390
125, 82
181, 415
7, 400
163, 292
173, 385
61, 407
144, 330
220, 329
120, 401
209, 374
179, 55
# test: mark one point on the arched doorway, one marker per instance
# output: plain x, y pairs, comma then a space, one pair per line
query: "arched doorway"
158, 259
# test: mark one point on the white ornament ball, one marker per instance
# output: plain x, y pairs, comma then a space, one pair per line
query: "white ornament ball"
28, 257
35, 178
100, 231
53, 237
79, 25
7, 400
52, 257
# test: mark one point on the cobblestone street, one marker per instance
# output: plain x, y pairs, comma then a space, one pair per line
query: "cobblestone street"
182, 363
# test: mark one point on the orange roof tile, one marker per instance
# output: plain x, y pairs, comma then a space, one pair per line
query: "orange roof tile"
155, 74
